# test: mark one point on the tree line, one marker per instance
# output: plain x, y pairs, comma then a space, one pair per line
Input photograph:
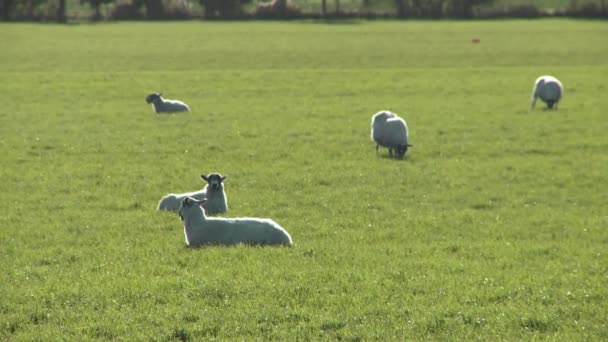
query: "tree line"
56, 10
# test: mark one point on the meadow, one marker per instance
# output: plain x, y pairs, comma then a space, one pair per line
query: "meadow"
492, 228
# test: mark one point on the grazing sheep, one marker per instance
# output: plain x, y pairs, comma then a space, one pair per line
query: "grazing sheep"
202, 230
389, 130
216, 202
549, 89
166, 106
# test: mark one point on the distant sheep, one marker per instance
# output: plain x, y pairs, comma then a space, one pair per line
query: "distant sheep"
202, 230
549, 89
216, 202
166, 106
389, 130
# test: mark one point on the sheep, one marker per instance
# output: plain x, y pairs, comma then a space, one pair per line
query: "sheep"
216, 203
161, 105
549, 89
202, 230
389, 130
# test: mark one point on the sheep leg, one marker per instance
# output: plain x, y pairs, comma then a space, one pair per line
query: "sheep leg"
377, 149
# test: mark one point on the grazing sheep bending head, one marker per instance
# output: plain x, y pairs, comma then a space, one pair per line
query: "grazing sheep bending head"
389, 130
549, 89
166, 106
202, 230
217, 201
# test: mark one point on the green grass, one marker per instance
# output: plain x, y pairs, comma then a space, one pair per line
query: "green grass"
492, 228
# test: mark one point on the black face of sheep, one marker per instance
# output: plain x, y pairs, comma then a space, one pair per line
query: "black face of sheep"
401, 150
550, 104
215, 180
187, 203
153, 97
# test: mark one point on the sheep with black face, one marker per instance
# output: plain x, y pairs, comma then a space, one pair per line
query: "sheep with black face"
549, 89
389, 130
214, 192
161, 105
202, 230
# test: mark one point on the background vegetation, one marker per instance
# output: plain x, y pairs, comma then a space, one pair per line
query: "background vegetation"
493, 227
81, 10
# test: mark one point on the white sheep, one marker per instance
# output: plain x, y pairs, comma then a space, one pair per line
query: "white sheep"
214, 192
549, 89
161, 105
202, 230
389, 130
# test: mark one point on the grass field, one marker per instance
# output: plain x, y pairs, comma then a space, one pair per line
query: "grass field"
492, 228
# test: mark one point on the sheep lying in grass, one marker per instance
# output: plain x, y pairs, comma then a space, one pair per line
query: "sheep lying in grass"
202, 230
217, 202
389, 130
549, 89
166, 106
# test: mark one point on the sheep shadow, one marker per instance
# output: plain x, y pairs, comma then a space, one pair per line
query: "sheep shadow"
397, 159
235, 246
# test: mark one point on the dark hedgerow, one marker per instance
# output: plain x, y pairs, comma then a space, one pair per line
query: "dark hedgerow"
516, 11
125, 10
179, 9
588, 10
224, 9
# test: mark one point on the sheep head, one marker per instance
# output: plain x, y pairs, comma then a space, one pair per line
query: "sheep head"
153, 97
402, 149
188, 203
214, 180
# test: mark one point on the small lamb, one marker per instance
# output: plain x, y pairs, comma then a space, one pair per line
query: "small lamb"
549, 89
166, 106
216, 203
202, 230
389, 130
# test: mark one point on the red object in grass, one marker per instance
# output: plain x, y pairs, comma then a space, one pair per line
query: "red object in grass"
476, 40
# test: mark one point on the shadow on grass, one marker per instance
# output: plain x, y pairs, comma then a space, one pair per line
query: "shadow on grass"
235, 246
334, 21
386, 156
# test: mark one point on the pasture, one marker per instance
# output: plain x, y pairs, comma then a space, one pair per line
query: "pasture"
492, 228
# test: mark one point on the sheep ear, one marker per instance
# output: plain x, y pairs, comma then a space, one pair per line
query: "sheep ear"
224, 178
186, 201
204, 178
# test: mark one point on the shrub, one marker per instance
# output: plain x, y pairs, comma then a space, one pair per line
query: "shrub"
276, 9
30, 10
588, 10
524, 11
179, 9
126, 10
226, 9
